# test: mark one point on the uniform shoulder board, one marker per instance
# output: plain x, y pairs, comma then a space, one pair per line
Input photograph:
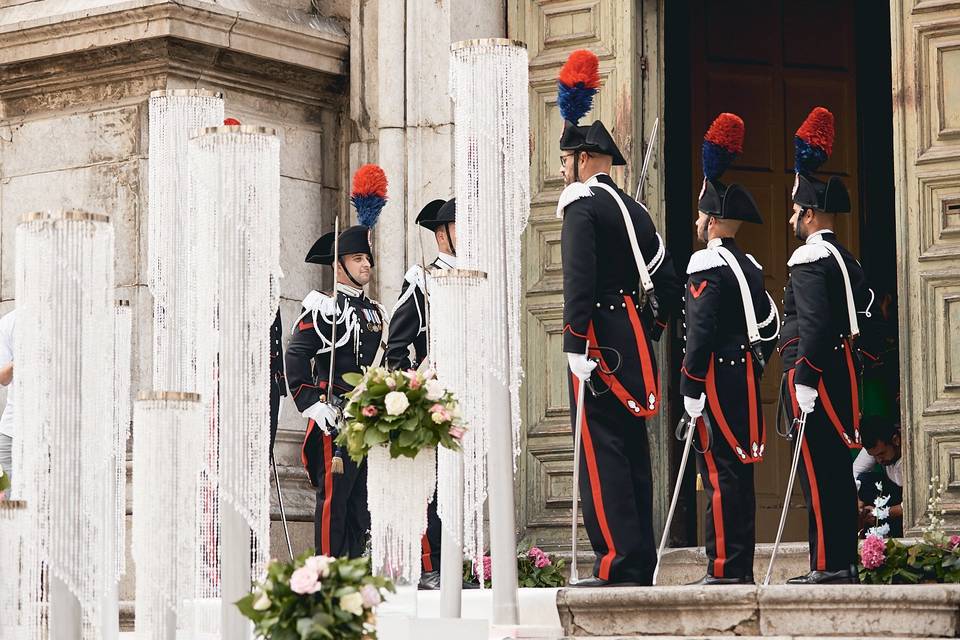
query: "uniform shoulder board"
316, 301
806, 253
572, 192
705, 259
754, 261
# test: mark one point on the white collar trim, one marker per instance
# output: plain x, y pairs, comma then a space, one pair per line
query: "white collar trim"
813, 237
346, 289
447, 260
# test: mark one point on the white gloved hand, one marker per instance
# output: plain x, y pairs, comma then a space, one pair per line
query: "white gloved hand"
325, 415
694, 406
580, 365
806, 397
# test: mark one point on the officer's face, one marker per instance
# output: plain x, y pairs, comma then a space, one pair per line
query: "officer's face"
701, 225
358, 264
797, 221
567, 158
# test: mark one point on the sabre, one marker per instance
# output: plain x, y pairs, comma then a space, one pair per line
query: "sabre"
336, 463
574, 575
283, 513
647, 156
801, 425
687, 443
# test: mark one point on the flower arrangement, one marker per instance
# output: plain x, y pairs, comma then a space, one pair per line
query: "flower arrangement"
406, 410
316, 598
535, 568
935, 558
4, 483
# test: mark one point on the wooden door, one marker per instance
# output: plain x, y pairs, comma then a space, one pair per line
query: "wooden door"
926, 119
760, 60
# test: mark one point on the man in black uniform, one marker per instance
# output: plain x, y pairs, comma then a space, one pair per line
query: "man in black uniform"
349, 325
731, 327
609, 308
408, 328
824, 292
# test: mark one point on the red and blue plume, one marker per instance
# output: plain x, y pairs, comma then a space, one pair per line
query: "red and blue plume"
577, 84
813, 142
722, 143
230, 122
369, 193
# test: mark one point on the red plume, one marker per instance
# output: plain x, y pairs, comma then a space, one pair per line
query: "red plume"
817, 130
231, 122
370, 180
727, 132
581, 66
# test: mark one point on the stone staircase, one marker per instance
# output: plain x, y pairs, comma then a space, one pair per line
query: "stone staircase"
926, 611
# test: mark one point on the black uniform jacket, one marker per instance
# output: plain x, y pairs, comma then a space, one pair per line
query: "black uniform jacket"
602, 291
717, 358
408, 320
360, 324
815, 343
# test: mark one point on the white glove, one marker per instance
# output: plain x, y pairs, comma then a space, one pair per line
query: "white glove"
694, 406
325, 415
806, 397
580, 365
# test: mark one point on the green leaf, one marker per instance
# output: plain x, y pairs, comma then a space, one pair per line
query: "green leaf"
374, 437
353, 379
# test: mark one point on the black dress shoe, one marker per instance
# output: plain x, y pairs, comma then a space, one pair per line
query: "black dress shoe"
429, 581
470, 584
599, 582
709, 580
844, 576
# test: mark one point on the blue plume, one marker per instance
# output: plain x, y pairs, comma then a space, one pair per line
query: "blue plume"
716, 159
368, 208
807, 158
574, 102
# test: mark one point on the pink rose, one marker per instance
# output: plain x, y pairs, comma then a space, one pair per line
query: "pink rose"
304, 581
535, 552
437, 408
542, 561
414, 383
457, 432
954, 541
370, 411
391, 383
486, 568
371, 596
873, 552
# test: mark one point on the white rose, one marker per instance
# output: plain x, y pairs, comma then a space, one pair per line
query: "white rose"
435, 390
320, 564
396, 402
352, 603
262, 603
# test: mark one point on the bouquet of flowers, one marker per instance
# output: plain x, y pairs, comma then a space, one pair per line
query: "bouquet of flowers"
535, 568
406, 410
316, 598
4, 483
935, 558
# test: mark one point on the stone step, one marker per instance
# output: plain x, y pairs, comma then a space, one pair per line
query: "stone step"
929, 611
687, 564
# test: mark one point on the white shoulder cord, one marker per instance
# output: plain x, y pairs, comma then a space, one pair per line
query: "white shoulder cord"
851, 307
632, 235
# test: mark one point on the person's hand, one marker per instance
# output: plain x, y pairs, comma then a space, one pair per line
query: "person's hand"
694, 406
325, 415
580, 365
806, 398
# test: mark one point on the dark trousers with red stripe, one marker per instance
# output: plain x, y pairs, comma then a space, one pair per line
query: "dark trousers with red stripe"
731, 509
616, 490
342, 519
826, 476
430, 543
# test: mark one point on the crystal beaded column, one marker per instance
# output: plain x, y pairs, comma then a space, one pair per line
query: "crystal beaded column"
173, 249
462, 486
489, 87
168, 427
64, 386
236, 180
19, 596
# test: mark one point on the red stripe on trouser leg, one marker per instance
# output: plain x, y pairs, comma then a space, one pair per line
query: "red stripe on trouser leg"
593, 474
752, 407
717, 504
425, 551
815, 505
327, 496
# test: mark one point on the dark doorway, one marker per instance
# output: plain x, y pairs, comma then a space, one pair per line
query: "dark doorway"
771, 61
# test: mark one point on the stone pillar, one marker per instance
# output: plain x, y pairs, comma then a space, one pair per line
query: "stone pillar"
74, 82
